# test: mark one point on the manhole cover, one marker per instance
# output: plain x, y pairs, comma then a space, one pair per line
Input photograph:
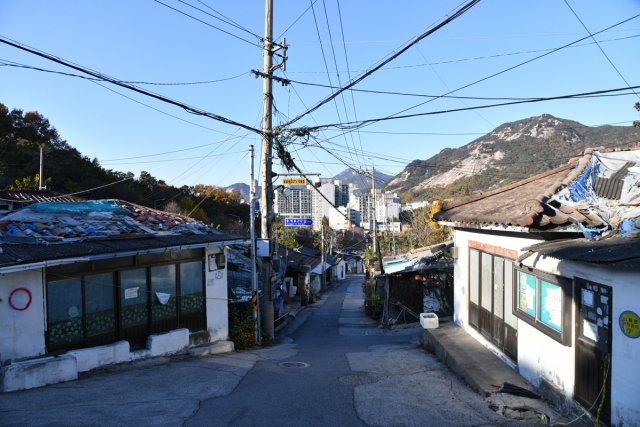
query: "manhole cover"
294, 365
358, 379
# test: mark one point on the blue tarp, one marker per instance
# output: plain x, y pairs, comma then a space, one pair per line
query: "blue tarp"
79, 207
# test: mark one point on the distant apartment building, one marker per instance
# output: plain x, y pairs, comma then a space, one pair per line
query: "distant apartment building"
339, 218
299, 204
391, 227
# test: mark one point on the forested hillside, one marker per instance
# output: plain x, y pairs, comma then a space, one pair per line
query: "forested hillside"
512, 152
68, 171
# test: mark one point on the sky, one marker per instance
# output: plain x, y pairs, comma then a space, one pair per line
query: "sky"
146, 41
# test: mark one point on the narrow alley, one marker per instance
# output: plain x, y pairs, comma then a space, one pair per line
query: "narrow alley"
330, 366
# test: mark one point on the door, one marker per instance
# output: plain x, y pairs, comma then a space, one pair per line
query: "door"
491, 300
593, 346
164, 307
134, 303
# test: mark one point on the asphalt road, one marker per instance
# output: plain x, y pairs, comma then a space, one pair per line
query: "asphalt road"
352, 373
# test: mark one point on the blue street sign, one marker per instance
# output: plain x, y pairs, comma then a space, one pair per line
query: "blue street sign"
298, 222
257, 206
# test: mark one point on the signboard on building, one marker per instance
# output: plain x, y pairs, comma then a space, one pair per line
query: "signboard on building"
298, 222
294, 181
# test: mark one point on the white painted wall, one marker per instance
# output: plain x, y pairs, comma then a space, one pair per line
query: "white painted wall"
542, 357
625, 375
216, 302
22, 332
341, 270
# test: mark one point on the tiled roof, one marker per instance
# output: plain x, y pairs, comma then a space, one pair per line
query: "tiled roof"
531, 202
296, 260
36, 196
47, 231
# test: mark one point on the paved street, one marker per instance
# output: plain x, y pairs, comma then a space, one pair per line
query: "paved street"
357, 374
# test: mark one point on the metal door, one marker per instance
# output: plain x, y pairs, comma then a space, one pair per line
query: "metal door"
593, 346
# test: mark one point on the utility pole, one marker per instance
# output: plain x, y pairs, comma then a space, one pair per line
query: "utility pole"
252, 226
40, 186
322, 260
266, 205
375, 221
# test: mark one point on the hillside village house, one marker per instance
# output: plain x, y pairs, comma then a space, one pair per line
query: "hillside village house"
547, 277
86, 284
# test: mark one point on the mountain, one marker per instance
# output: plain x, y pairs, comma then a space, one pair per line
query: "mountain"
512, 152
349, 176
241, 187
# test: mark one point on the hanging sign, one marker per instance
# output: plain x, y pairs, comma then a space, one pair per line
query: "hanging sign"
163, 298
630, 324
294, 181
298, 222
131, 293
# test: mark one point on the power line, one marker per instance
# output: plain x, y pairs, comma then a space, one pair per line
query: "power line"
599, 47
480, 57
573, 96
206, 23
515, 66
294, 22
228, 20
382, 63
468, 38
189, 109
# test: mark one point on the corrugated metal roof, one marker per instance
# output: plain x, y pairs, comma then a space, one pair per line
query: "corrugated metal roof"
623, 251
36, 196
13, 253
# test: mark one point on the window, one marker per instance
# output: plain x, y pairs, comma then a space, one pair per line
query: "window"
72, 322
87, 308
544, 301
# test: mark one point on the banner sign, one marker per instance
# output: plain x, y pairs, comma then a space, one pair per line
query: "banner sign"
294, 181
298, 222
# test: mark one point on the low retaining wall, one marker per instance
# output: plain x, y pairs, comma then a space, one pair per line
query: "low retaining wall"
51, 370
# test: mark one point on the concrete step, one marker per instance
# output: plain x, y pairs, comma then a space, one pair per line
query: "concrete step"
215, 348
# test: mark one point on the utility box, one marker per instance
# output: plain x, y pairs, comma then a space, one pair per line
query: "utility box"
429, 320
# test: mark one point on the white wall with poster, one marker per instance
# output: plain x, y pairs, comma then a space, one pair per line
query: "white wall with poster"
539, 300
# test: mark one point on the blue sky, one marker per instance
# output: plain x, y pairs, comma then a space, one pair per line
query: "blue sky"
146, 41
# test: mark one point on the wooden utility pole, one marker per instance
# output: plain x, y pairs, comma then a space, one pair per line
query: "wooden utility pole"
266, 205
375, 221
322, 259
40, 181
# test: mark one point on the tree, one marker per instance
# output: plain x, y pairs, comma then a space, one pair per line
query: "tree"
637, 122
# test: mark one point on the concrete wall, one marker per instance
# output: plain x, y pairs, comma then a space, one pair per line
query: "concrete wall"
216, 293
540, 357
625, 375
22, 332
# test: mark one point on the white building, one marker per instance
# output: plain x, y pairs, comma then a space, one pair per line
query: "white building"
298, 205
107, 303
337, 220
560, 308
415, 205
322, 206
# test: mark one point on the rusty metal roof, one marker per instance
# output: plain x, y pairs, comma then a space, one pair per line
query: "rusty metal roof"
621, 252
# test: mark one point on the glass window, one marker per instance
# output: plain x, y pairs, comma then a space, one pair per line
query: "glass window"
64, 301
191, 287
498, 286
163, 298
99, 303
527, 293
487, 261
134, 294
551, 305
474, 258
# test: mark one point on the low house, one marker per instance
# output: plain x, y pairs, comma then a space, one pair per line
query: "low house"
301, 269
547, 275
421, 281
104, 282
339, 268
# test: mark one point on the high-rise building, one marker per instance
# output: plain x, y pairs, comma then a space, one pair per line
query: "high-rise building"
339, 218
321, 206
342, 193
297, 205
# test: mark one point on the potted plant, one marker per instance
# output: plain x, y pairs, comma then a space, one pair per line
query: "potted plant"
377, 305
367, 290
